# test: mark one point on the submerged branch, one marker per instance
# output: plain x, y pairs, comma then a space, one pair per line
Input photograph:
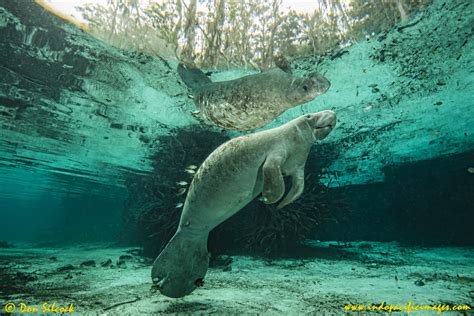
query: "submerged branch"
122, 303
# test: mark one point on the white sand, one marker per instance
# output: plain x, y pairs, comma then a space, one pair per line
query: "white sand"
323, 281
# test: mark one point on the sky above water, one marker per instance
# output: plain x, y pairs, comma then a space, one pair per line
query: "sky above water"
68, 6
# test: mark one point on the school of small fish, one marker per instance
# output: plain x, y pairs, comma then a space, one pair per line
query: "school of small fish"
191, 169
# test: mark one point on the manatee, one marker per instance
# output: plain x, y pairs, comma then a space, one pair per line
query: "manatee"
233, 175
252, 101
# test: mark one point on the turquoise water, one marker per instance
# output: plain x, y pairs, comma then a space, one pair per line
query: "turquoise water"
97, 145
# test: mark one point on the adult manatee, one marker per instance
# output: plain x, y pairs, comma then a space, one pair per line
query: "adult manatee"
232, 176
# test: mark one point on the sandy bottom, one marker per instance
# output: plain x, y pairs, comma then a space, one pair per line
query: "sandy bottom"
328, 277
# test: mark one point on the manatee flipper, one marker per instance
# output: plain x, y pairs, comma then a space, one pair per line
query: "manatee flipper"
273, 183
192, 77
297, 186
181, 266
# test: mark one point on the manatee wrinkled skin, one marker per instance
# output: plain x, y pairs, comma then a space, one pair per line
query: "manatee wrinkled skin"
252, 101
232, 176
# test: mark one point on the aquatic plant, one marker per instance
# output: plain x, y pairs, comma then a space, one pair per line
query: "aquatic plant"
155, 201
263, 230
4, 244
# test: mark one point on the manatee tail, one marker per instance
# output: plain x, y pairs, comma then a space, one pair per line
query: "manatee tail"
192, 77
180, 268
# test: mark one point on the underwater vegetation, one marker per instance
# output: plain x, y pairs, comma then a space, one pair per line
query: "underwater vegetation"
415, 212
155, 202
262, 229
4, 244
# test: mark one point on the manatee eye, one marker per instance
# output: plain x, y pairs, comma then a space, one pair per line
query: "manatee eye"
305, 88
308, 115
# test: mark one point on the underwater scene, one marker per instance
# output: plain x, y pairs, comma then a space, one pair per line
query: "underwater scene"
270, 157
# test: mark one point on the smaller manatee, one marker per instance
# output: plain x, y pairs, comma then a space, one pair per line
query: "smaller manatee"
252, 101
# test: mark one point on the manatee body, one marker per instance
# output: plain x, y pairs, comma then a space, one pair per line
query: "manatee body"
232, 176
252, 101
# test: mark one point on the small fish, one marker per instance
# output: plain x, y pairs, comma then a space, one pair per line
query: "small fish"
182, 183
181, 191
435, 133
179, 205
190, 171
470, 170
191, 167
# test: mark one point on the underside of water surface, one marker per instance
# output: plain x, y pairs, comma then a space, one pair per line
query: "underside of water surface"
96, 144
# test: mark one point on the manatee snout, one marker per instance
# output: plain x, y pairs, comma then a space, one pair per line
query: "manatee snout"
327, 118
320, 82
322, 123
